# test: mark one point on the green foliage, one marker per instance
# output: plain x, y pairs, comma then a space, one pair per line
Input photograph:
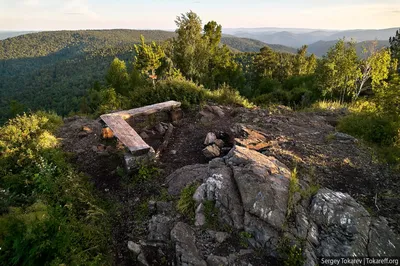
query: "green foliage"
229, 96
388, 97
102, 101
16, 108
142, 211
294, 257
117, 76
370, 127
395, 45
244, 239
184, 91
48, 213
292, 254
339, 71
146, 172
276, 97
325, 105
211, 213
190, 49
148, 57
186, 204
293, 188
199, 56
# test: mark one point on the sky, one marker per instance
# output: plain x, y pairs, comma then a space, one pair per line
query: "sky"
159, 14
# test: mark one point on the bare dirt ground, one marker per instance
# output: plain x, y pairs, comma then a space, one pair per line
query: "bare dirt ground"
305, 141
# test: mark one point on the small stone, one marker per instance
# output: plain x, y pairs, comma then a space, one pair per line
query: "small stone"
86, 129
152, 206
206, 116
211, 151
109, 148
82, 134
160, 128
245, 252
107, 133
159, 228
94, 148
200, 194
345, 138
144, 135
210, 138
134, 247
220, 237
173, 152
217, 261
101, 147
81, 151
218, 111
200, 218
220, 143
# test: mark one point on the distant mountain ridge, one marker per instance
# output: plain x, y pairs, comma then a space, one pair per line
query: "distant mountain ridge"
9, 34
321, 47
298, 37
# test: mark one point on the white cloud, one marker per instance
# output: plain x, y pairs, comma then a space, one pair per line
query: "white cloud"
78, 7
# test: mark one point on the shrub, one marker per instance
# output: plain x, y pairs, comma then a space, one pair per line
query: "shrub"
301, 97
363, 106
325, 105
370, 127
267, 85
186, 204
228, 95
275, 97
146, 172
305, 81
48, 213
184, 91
244, 239
211, 214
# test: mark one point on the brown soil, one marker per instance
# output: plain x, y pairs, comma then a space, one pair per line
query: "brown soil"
301, 140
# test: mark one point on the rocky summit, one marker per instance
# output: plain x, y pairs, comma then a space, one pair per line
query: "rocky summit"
260, 187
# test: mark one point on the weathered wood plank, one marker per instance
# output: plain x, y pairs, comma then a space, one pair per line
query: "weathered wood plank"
147, 110
126, 134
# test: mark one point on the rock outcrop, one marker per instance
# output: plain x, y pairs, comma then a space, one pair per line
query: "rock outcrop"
252, 193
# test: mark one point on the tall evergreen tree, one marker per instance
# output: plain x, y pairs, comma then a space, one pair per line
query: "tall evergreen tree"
117, 76
148, 58
395, 45
190, 49
265, 63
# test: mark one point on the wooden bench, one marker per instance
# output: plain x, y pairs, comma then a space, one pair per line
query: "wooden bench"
125, 133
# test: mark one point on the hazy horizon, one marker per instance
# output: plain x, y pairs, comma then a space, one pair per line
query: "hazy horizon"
238, 28
45, 15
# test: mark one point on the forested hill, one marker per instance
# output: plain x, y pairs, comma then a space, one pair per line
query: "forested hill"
46, 43
321, 47
52, 70
250, 45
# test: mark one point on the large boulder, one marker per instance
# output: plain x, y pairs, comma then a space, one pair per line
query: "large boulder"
184, 176
250, 191
159, 228
263, 184
220, 187
185, 246
346, 228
